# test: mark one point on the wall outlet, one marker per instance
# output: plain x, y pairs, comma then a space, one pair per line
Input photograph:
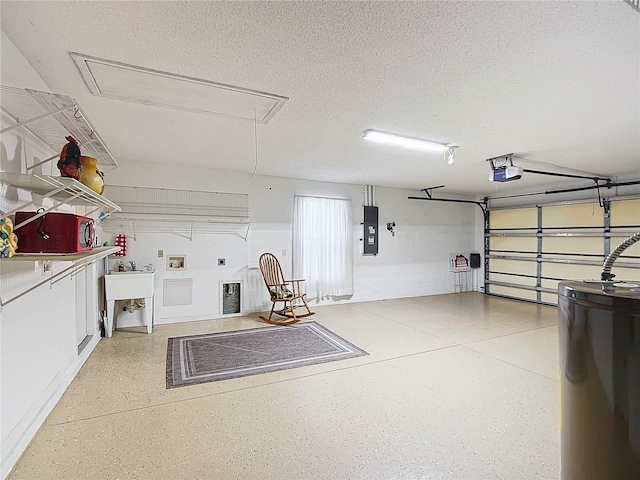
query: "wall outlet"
160, 253
221, 261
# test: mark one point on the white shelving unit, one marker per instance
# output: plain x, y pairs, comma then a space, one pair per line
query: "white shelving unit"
51, 117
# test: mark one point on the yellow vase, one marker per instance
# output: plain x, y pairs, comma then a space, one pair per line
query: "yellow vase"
91, 176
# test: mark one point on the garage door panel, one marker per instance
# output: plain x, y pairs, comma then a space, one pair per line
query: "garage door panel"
570, 233
546, 283
632, 251
625, 212
626, 274
517, 218
589, 245
579, 215
549, 298
496, 277
571, 272
513, 266
513, 292
524, 244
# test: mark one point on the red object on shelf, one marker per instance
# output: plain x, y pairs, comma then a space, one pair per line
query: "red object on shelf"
121, 241
54, 232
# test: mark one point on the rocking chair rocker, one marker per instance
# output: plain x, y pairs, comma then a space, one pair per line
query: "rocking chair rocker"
286, 291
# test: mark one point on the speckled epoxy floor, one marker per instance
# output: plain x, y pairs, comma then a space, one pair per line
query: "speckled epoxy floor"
454, 386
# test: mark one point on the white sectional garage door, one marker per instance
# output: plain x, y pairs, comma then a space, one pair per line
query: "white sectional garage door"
529, 250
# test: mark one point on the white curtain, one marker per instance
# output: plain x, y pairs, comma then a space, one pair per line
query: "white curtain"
322, 246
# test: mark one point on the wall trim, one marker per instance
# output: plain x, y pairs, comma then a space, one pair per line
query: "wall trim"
24, 432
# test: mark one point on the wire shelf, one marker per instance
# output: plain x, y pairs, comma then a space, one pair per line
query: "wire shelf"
181, 212
179, 203
62, 189
184, 227
51, 117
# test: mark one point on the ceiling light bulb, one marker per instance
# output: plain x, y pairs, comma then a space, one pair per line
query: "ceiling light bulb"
402, 141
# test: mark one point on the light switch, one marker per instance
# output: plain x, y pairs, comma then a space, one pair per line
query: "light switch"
160, 253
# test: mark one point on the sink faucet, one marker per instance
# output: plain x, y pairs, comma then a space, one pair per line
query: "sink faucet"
133, 265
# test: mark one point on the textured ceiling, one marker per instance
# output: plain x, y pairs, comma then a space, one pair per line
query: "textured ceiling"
554, 82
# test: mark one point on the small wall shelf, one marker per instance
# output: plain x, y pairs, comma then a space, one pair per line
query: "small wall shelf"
78, 258
51, 117
78, 261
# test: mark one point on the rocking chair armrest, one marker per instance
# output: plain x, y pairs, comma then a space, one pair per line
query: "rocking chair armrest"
295, 285
282, 290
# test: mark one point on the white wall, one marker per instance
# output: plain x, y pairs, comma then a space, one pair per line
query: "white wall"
412, 263
202, 254
38, 350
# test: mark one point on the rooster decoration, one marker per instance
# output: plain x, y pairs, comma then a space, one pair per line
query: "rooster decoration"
69, 163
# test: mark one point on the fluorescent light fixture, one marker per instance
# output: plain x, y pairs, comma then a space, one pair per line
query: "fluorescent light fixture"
406, 142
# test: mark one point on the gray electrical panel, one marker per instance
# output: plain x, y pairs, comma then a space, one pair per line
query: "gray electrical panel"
370, 238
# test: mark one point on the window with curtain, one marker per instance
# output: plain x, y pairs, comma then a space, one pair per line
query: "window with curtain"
322, 245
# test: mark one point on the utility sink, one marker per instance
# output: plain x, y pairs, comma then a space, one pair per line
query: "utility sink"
131, 284
128, 272
125, 286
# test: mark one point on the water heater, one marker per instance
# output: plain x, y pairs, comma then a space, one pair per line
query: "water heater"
599, 335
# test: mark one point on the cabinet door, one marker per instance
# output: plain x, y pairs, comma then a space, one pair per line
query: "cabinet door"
81, 306
87, 308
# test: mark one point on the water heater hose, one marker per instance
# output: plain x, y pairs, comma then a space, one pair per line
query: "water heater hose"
608, 263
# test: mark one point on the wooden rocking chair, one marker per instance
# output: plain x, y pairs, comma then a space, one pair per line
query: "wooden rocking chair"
286, 291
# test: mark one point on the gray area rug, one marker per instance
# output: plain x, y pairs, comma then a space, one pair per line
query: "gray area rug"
219, 356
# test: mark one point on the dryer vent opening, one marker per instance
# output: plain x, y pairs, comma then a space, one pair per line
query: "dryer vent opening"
231, 298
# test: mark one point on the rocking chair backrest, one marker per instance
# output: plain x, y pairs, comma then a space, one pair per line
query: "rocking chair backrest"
271, 270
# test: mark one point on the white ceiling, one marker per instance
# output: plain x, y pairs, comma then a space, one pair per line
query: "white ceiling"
555, 82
